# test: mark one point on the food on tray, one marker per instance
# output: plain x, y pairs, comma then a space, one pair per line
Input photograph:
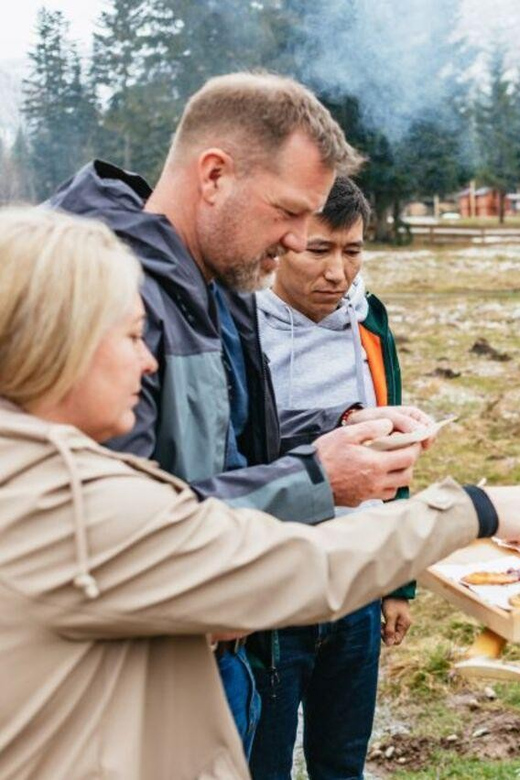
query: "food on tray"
515, 601
492, 577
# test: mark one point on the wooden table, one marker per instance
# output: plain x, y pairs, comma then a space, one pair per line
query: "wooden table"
501, 626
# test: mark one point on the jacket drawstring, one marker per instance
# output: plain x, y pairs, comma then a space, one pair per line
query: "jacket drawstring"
84, 580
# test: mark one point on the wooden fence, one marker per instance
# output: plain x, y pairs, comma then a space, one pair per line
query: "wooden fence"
444, 234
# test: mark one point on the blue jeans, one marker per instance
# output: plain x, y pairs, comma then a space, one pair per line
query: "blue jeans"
332, 668
243, 698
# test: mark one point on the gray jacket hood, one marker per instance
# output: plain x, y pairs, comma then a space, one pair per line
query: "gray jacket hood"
102, 190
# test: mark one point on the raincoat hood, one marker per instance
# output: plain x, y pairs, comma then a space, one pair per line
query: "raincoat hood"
102, 190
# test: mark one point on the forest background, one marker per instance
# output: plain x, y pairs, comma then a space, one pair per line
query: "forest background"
430, 105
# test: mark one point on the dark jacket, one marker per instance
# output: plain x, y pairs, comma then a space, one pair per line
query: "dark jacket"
183, 417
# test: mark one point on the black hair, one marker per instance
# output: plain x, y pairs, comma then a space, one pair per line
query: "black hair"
345, 205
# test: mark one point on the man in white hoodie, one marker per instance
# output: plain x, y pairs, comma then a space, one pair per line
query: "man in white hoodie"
328, 342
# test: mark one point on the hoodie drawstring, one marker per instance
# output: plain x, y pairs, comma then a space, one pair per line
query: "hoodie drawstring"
358, 354
84, 580
291, 363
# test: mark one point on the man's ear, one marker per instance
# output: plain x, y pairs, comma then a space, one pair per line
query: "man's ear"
216, 171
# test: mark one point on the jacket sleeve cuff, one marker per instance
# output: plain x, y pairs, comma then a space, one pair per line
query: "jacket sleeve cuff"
322, 498
405, 592
293, 488
486, 513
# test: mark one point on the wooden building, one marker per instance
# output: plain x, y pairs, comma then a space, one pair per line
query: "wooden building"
485, 202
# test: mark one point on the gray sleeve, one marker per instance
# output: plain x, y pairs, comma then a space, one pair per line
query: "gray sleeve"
303, 426
293, 488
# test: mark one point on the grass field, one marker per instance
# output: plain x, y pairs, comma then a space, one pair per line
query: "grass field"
441, 304
431, 724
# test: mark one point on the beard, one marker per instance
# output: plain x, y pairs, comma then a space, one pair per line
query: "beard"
246, 278
225, 244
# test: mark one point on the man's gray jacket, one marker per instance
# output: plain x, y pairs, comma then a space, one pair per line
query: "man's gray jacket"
183, 418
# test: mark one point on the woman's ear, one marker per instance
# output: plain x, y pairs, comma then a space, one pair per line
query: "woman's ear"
216, 170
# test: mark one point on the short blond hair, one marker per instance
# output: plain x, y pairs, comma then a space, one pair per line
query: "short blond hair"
64, 281
254, 114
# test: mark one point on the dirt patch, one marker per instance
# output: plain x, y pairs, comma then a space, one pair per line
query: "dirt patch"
444, 373
491, 737
483, 347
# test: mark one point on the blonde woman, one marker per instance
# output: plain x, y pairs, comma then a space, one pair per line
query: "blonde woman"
111, 571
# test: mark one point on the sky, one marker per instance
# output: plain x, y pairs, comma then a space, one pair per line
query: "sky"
483, 22
393, 50
488, 26
17, 30
497, 22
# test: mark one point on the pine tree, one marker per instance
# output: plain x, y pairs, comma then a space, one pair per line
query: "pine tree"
80, 134
44, 91
60, 112
22, 171
189, 43
15, 175
199, 40
118, 69
151, 55
430, 158
497, 123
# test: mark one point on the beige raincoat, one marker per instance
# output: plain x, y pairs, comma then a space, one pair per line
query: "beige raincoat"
111, 574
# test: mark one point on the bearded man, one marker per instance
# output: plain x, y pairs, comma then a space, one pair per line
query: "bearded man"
253, 157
